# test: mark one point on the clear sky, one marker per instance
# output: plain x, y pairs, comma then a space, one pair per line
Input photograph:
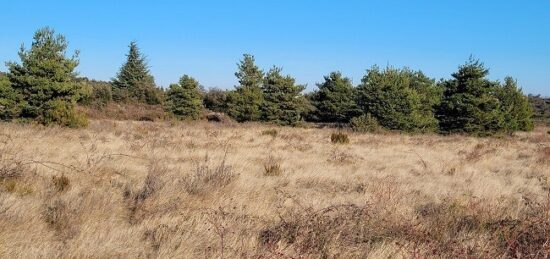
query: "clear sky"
308, 38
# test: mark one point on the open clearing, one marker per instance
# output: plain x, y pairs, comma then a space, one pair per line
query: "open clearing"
200, 190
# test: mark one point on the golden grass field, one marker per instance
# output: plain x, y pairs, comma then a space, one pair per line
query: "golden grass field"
203, 190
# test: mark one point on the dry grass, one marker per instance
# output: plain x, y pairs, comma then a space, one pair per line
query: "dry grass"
199, 190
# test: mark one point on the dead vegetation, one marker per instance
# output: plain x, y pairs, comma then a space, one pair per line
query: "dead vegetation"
163, 190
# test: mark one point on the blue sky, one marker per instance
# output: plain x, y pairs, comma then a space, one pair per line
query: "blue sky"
308, 38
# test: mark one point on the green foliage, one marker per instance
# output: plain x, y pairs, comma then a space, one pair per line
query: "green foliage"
184, 99
470, 103
215, 100
134, 82
9, 100
364, 124
283, 102
62, 113
243, 104
335, 99
399, 99
45, 81
541, 108
517, 112
99, 93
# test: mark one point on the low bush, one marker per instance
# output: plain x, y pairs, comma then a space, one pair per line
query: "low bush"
339, 138
364, 124
270, 132
63, 113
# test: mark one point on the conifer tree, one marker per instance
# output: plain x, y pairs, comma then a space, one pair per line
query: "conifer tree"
335, 99
518, 113
470, 103
184, 99
283, 102
399, 99
45, 81
9, 100
134, 81
245, 101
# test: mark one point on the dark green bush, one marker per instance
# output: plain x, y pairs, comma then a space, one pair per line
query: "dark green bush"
476, 105
184, 99
399, 99
62, 113
44, 83
283, 102
335, 99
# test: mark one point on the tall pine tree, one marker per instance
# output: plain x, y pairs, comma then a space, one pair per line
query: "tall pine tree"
245, 101
335, 99
283, 101
134, 81
45, 81
184, 99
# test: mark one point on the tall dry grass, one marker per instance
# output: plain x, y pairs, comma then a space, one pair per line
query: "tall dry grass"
165, 190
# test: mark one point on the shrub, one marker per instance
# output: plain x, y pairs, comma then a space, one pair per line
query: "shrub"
339, 138
271, 132
517, 111
364, 124
473, 104
335, 99
9, 100
399, 99
99, 94
184, 99
215, 100
283, 103
63, 113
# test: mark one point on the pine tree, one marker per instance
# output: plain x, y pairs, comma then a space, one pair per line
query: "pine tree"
399, 99
184, 99
335, 99
518, 113
9, 100
283, 102
134, 81
469, 102
45, 81
245, 101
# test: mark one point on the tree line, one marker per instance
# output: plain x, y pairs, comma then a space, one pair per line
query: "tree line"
43, 87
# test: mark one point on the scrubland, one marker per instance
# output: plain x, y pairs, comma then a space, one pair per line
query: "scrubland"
204, 190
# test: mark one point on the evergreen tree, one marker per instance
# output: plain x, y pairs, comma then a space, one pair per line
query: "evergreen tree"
45, 81
469, 102
184, 99
399, 99
518, 113
134, 81
9, 100
335, 99
283, 102
245, 101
